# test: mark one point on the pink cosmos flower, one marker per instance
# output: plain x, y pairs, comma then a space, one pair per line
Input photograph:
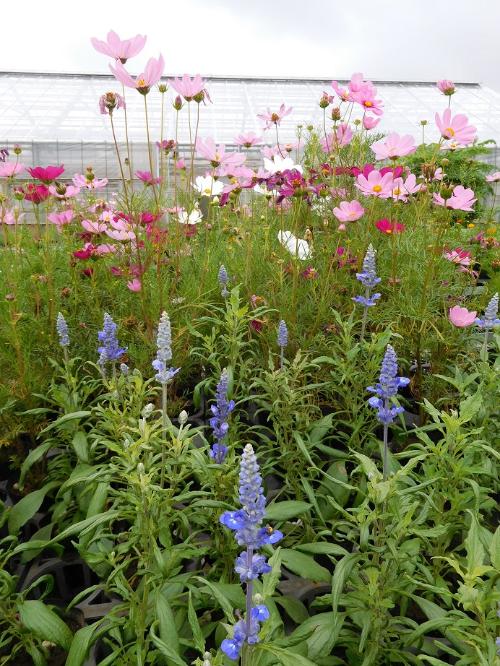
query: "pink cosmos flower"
46, 174
446, 87
134, 285
341, 136
461, 317
349, 211
61, 191
248, 140
105, 248
60, 219
120, 230
10, 216
375, 184
94, 227
190, 88
458, 256
343, 93
117, 48
369, 122
10, 169
455, 128
79, 180
274, 117
394, 146
147, 178
402, 188
461, 199
388, 227
492, 178
217, 154
109, 102
143, 82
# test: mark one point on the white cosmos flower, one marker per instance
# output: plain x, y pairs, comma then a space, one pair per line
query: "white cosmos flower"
279, 163
298, 247
208, 186
193, 217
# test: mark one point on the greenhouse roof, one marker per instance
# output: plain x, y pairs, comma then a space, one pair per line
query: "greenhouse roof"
39, 107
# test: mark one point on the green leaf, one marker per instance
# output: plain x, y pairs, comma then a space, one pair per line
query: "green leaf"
473, 546
166, 650
199, 641
44, 623
81, 447
82, 641
219, 595
286, 657
166, 623
286, 510
27, 507
272, 578
67, 418
322, 548
303, 565
33, 457
494, 550
294, 608
340, 575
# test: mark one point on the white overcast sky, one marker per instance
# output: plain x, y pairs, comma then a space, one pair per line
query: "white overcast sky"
415, 40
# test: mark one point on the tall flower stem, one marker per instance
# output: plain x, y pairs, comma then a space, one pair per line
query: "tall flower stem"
278, 140
122, 173
385, 461
164, 423
150, 154
193, 145
129, 159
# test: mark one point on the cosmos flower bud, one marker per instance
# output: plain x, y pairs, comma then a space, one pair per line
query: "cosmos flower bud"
17, 149
177, 103
162, 87
183, 417
336, 113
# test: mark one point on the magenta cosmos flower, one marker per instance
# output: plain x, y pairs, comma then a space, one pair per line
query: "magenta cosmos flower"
190, 88
388, 227
147, 178
247, 140
10, 169
375, 184
446, 87
46, 174
461, 317
274, 117
143, 82
461, 199
394, 146
455, 128
119, 49
217, 155
349, 211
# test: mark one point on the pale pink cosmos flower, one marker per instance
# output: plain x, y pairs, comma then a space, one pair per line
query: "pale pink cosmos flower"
119, 49
270, 151
446, 87
62, 218
349, 211
343, 93
402, 188
190, 88
493, 177
394, 146
79, 180
461, 317
217, 155
271, 118
461, 199
341, 136
242, 172
376, 184
10, 169
64, 192
364, 93
109, 102
458, 256
369, 122
455, 128
10, 216
248, 140
143, 82
134, 285
94, 227
105, 248
120, 230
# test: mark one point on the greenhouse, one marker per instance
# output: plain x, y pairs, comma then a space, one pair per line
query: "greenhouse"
249, 368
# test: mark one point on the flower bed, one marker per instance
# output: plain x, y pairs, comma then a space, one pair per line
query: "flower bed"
256, 411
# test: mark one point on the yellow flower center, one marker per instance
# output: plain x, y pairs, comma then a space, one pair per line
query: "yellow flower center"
449, 131
141, 83
368, 103
377, 188
396, 191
